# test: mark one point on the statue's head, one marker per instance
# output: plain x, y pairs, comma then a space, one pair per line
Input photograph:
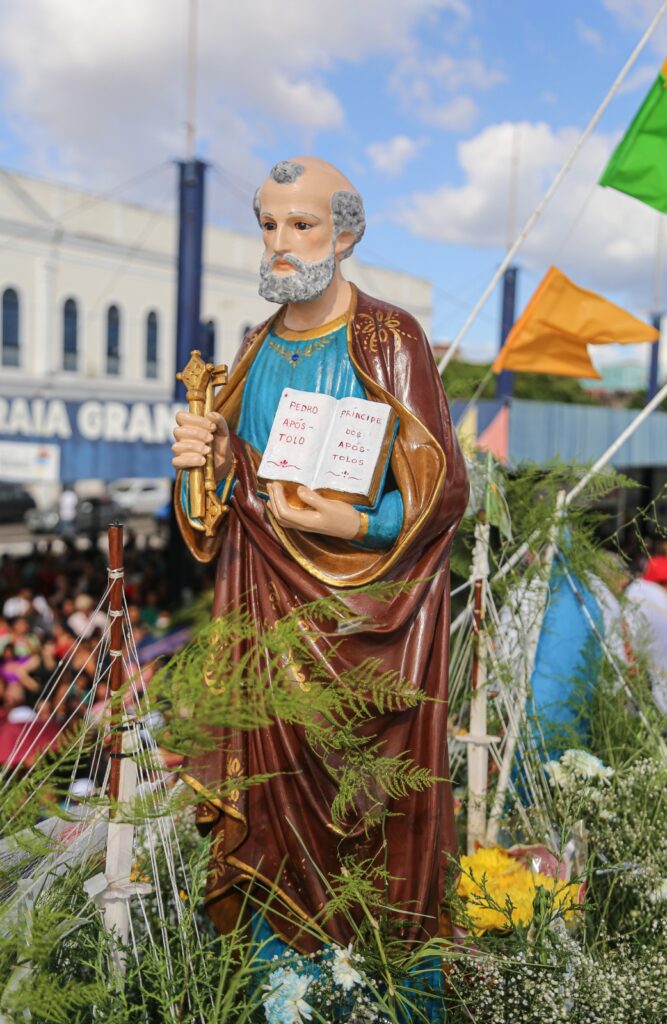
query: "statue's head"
311, 218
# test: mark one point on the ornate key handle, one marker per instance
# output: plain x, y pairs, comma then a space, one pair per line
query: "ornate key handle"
200, 381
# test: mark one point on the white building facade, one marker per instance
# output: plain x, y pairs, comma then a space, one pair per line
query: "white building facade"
88, 323
88, 293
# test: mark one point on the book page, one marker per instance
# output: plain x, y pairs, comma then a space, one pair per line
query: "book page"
349, 457
299, 427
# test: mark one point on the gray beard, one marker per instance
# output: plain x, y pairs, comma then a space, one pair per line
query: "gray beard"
309, 280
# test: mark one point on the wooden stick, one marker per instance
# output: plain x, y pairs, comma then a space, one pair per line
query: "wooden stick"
122, 774
477, 739
115, 536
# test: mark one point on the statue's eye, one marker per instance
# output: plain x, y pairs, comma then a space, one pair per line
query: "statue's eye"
302, 226
268, 225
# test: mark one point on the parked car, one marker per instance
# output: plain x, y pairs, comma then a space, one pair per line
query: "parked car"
14, 502
92, 514
140, 495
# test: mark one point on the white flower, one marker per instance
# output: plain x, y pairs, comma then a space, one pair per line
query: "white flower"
659, 893
344, 974
285, 1003
557, 774
585, 765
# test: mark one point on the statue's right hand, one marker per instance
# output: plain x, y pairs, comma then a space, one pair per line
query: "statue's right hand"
196, 436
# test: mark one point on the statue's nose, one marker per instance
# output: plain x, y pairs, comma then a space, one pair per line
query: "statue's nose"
280, 239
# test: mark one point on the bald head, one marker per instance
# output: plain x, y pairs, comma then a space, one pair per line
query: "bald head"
308, 178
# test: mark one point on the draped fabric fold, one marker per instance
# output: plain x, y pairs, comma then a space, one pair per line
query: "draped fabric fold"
280, 833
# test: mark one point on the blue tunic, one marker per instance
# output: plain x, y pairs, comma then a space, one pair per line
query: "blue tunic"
321, 364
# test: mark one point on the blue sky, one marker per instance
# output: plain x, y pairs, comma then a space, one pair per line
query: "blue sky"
421, 102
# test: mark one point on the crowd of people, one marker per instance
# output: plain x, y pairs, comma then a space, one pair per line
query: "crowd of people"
52, 626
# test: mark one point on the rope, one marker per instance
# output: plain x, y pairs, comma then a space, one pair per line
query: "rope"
7, 779
475, 398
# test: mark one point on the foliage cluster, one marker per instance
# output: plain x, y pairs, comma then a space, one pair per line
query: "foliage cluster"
462, 380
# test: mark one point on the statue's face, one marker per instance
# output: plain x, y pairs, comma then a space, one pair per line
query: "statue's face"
296, 218
299, 259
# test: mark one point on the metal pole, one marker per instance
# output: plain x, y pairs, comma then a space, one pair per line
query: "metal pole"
505, 380
191, 123
618, 443
190, 246
656, 316
654, 365
188, 313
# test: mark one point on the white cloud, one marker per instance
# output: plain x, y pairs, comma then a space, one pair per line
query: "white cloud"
599, 236
425, 86
633, 12
452, 73
96, 90
590, 35
390, 157
457, 115
638, 14
308, 103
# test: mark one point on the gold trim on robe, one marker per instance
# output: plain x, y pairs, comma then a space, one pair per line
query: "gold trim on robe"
339, 563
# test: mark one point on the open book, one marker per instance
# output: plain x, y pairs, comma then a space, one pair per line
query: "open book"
339, 447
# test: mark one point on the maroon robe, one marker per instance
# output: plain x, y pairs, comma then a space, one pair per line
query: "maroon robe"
261, 833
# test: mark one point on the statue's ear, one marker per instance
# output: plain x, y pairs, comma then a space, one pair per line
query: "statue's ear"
343, 242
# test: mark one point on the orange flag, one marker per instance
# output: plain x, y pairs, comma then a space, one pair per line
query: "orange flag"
560, 321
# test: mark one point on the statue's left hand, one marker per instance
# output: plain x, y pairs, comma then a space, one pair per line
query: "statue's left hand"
324, 515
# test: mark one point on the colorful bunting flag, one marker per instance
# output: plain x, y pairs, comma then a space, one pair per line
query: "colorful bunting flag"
557, 325
496, 438
466, 428
638, 165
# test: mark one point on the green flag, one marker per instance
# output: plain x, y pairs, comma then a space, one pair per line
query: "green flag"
638, 165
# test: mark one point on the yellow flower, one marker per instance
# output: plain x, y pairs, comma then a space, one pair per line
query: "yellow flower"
136, 874
491, 875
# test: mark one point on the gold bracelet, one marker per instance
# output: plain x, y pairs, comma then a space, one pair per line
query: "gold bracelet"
363, 526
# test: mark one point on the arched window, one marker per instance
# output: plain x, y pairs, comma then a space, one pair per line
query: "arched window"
151, 345
113, 341
10, 328
70, 335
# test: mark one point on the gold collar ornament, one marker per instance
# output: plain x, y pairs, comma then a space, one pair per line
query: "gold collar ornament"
294, 355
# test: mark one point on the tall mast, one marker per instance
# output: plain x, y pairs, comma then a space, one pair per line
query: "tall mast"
191, 121
656, 316
190, 220
191, 182
505, 380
